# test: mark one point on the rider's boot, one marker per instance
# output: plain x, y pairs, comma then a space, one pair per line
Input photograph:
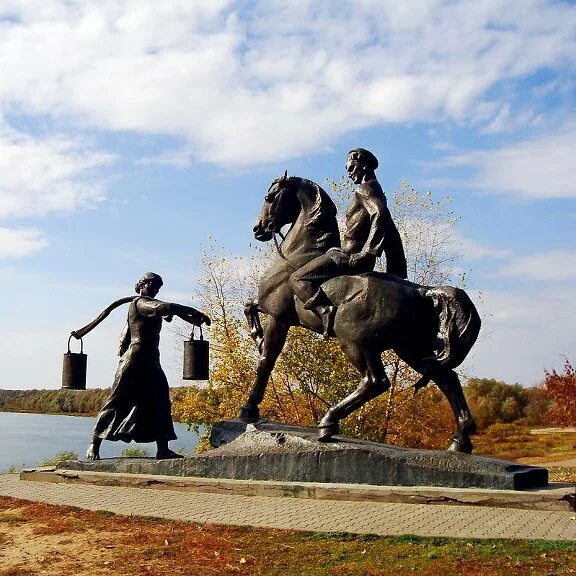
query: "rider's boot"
326, 314
324, 309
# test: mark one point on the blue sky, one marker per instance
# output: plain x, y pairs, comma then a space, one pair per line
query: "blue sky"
132, 131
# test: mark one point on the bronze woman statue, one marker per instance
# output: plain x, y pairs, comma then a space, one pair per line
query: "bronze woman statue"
138, 408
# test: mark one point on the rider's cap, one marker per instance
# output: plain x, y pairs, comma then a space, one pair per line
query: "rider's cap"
365, 156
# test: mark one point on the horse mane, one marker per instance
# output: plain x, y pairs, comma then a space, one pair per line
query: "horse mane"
323, 207
321, 214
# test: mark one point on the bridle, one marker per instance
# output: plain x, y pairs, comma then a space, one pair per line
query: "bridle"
277, 233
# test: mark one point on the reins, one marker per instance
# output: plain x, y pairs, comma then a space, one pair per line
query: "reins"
279, 250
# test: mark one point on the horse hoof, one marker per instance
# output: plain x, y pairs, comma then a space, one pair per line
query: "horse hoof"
92, 453
461, 446
249, 415
327, 431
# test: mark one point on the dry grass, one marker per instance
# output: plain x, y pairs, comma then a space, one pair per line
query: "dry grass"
18, 571
514, 442
561, 474
43, 540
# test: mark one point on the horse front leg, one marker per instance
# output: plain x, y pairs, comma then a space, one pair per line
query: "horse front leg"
449, 383
374, 382
275, 333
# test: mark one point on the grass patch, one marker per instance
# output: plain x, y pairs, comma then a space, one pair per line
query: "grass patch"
136, 452
13, 469
11, 518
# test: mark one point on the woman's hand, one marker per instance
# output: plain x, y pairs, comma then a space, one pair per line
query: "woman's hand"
202, 319
195, 317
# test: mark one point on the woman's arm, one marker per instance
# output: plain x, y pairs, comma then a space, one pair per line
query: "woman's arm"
190, 315
125, 338
153, 307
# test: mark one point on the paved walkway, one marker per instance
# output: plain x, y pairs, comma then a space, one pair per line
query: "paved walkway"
303, 514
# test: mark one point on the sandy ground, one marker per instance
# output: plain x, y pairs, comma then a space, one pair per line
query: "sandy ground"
25, 552
552, 430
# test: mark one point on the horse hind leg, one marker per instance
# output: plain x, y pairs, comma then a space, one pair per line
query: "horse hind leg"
374, 382
448, 382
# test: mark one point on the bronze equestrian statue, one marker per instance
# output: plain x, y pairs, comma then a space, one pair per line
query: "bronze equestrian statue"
432, 329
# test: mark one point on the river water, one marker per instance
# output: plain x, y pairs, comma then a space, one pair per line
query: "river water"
28, 439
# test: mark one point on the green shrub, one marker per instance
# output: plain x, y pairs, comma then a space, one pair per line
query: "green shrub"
135, 452
59, 458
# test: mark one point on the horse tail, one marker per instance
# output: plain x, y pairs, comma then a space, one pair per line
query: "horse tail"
251, 311
458, 324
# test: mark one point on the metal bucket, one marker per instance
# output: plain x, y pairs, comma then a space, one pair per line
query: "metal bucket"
196, 358
74, 368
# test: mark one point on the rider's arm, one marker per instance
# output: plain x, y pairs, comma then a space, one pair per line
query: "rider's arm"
190, 314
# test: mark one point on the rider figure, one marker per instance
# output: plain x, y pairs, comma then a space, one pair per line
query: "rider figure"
369, 231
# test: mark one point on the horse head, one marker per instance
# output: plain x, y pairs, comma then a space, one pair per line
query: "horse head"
281, 207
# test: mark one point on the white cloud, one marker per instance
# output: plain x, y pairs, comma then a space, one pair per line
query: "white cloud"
507, 120
541, 167
434, 246
38, 176
278, 79
474, 250
553, 266
523, 334
20, 242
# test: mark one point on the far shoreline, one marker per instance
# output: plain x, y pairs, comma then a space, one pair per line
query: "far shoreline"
78, 414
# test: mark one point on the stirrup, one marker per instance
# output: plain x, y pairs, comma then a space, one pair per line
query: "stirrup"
327, 318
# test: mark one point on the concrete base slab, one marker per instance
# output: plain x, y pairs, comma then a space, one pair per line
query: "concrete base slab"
287, 452
283, 453
555, 497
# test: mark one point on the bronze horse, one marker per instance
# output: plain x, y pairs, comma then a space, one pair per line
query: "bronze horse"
430, 328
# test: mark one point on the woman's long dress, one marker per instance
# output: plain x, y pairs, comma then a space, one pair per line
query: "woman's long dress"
138, 407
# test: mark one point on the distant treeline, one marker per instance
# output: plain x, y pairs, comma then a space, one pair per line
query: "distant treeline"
496, 402
60, 401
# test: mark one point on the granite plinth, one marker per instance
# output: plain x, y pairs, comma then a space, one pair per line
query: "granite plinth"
271, 451
559, 497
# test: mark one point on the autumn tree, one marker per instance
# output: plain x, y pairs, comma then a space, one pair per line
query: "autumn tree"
496, 402
312, 374
539, 403
562, 389
493, 401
